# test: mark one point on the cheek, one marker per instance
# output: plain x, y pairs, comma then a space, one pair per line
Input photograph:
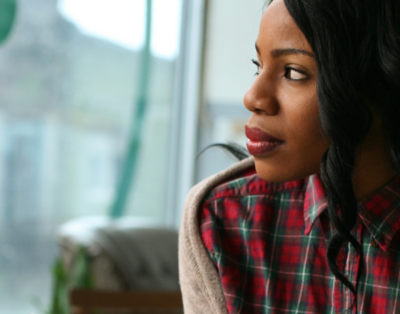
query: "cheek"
304, 146
309, 147
303, 127
301, 117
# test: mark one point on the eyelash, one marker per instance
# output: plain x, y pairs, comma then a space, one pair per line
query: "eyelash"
258, 65
287, 70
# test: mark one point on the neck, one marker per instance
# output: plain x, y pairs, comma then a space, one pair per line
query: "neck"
374, 168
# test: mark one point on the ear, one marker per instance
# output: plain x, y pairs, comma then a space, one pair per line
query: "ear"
7, 13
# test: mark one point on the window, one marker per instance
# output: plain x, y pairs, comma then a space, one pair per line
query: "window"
68, 87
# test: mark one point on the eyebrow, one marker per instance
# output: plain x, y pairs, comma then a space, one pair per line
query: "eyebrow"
283, 52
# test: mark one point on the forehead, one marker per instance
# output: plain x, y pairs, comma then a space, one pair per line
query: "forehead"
278, 29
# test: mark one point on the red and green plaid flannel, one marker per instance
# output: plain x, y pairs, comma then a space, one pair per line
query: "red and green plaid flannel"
268, 242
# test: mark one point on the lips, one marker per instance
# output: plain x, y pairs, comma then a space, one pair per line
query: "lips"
260, 142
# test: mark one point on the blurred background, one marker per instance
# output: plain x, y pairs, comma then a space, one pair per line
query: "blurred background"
76, 82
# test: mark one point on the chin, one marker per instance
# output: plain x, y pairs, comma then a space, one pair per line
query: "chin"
280, 173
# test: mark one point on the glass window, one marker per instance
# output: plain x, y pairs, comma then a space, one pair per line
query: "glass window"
69, 77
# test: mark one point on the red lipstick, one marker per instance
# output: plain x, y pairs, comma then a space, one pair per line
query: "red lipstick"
260, 142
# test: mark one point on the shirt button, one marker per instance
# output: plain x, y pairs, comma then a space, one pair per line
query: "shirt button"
374, 244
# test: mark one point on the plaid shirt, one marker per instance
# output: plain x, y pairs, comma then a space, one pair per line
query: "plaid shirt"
269, 242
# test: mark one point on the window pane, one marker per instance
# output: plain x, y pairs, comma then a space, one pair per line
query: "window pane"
228, 73
68, 86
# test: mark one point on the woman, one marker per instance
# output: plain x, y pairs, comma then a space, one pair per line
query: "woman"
310, 223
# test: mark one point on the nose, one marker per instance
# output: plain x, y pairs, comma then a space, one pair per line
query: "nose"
260, 98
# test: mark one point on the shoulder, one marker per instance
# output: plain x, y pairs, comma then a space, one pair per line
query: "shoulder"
243, 199
236, 184
200, 282
197, 268
199, 279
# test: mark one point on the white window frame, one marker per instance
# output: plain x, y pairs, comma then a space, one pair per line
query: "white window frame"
185, 112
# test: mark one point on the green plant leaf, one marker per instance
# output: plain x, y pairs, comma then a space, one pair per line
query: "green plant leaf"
59, 303
81, 276
7, 14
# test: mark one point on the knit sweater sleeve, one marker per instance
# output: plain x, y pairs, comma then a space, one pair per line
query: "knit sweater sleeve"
195, 299
199, 280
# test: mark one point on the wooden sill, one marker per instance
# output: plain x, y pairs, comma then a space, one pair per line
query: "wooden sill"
133, 300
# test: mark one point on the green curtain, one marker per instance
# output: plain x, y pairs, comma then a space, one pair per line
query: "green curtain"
129, 168
7, 14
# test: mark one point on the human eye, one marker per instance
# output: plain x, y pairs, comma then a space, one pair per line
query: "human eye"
258, 66
295, 74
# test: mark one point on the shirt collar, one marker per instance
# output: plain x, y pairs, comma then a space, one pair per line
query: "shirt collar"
380, 212
314, 201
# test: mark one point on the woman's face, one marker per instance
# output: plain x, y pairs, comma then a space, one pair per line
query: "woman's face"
283, 102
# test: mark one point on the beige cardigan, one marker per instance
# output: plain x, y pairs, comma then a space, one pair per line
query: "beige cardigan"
200, 283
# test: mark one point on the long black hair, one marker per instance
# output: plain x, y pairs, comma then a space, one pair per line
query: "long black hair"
356, 44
